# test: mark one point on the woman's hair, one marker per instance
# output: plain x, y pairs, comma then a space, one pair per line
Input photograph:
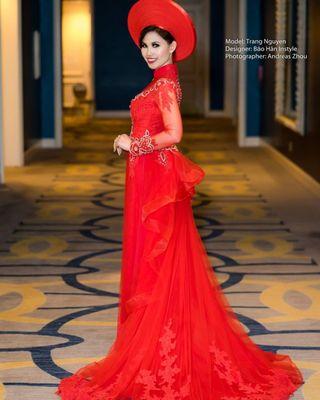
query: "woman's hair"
153, 28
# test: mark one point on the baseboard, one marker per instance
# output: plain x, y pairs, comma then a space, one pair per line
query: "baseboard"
302, 176
47, 144
40, 144
219, 114
254, 141
43, 144
111, 114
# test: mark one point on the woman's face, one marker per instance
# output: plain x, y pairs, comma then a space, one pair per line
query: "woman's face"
156, 50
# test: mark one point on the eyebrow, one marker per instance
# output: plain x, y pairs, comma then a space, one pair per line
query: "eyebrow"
151, 43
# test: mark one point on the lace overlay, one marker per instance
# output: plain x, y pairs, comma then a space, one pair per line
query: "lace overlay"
78, 388
142, 145
162, 158
169, 88
155, 86
227, 371
162, 385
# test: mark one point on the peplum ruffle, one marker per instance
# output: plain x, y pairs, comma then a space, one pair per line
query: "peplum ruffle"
175, 183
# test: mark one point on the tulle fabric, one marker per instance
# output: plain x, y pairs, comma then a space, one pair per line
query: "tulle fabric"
177, 336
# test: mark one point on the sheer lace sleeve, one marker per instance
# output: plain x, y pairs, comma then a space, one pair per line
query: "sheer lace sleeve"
168, 101
168, 97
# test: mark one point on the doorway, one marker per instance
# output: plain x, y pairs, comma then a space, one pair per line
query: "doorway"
77, 71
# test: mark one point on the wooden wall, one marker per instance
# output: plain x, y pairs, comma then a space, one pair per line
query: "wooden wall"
305, 150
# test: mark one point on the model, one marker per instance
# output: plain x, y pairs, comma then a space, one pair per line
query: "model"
177, 336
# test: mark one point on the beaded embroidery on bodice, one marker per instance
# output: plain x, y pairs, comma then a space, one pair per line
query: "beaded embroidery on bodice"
154, 85
146, 116
144, 101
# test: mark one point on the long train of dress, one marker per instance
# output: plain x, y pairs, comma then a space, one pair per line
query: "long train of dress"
177, 338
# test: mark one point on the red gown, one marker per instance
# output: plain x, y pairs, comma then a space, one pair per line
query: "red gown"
177, 336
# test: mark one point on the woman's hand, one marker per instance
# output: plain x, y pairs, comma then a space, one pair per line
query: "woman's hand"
122, 142
115, 146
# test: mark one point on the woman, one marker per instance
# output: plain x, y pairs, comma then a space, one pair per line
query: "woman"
177, 336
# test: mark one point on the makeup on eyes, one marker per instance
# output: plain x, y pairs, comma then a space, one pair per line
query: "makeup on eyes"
144, 44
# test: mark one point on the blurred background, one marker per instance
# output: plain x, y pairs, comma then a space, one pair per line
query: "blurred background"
67, 61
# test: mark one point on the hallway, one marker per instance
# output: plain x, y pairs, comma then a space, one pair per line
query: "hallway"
60, 246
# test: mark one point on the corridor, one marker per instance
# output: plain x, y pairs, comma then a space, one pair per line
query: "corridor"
61, 250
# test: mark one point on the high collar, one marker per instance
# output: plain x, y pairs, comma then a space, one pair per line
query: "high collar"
166, 71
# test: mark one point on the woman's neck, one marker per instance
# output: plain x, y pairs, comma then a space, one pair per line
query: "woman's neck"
166, 71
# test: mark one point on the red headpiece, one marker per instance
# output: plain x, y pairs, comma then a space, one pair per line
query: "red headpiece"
168, 15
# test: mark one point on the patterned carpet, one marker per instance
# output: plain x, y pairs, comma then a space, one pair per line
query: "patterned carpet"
60, 265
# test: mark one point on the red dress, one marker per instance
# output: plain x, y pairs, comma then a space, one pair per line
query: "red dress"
177, 336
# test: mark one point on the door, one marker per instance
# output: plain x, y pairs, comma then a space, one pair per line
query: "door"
31, 72
76, 48
192, 70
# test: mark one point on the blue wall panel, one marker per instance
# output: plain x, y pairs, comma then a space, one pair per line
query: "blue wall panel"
31, 86
47, 68
253, 88
217, 54
119, 69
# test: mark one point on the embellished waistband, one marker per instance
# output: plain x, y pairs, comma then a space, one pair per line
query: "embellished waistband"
172, 147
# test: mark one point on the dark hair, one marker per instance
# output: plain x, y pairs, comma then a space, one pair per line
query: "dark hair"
153, 28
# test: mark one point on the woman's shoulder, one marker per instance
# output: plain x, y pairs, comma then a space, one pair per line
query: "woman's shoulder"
168, 85
159, 85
